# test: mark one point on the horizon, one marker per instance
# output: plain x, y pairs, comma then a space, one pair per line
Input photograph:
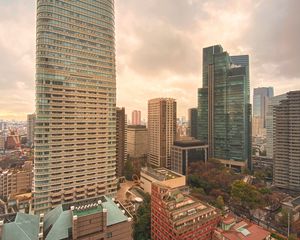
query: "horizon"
160, 55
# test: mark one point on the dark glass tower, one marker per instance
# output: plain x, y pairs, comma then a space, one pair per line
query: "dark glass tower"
224, 108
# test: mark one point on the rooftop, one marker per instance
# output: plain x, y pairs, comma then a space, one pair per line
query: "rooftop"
22, 227
189, 142
241, 230
59, 220
183, 208
161, 174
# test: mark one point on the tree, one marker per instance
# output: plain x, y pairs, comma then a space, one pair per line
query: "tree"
292, 237
128, 170
246, 195
142, 224
220, 203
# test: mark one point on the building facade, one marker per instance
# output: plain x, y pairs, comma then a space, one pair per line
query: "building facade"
185, 151
121, 141
192, 122
161, 131
30, 128
177, 216
287, 142
75, 134
224, 110
136, 117
272, 103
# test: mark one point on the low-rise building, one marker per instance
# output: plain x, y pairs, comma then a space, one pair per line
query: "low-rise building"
161, 175
233, 228
186, 150
177, 216
98, 218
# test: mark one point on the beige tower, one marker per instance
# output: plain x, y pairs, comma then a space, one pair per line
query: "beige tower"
161, 130
75, 134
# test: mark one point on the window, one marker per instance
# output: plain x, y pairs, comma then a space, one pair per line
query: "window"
109, 235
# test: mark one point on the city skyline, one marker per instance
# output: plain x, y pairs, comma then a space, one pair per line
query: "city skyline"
144, 59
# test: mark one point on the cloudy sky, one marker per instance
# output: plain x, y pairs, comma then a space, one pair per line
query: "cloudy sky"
159, 48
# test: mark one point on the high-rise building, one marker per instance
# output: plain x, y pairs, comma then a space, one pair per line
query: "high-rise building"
260, 102
224, 110
75, 134
161, 130
176, 215
30, 128
193, 118
121, 141
136, 118
273, 101
287, 142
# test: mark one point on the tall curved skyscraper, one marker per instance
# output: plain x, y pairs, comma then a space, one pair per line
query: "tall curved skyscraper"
75, 136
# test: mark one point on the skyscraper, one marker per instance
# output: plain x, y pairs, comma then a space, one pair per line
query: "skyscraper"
272, 103
136, 118
75, 134
121, 141
287, 142
161, 130
224, 108
193, 118
30, 128
261, 98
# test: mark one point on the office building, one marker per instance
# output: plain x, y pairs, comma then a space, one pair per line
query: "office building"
192, 122
286, 142
137, 145
272, 103
261, 98
136, 118
224, 110
137, 140
97, 218
176, 215
75, 133
161, 131
187, 150
121, 141
30, 128
16, 181
162, 175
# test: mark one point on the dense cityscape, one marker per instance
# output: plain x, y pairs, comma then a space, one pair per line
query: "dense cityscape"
81, 167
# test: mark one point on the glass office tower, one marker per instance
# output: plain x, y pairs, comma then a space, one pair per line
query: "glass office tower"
75, 136
224, 108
